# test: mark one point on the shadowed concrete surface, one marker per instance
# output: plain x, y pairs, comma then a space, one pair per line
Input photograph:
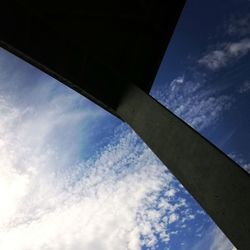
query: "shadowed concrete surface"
95, 47
99, 48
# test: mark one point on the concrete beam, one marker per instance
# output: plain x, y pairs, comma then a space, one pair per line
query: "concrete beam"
95, 47
219, 185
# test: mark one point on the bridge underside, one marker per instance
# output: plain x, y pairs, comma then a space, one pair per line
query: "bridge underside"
110, 52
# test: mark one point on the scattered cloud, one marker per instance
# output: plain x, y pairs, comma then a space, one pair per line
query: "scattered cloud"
225, 53
214, 59
189, 100
110, 201
246, 166
122, 197
240, 160
245, 87
238, 26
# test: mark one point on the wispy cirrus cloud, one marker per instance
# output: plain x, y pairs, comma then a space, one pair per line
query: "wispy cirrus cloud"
238, 26
234, 45
245, 87
189, 100
224, 54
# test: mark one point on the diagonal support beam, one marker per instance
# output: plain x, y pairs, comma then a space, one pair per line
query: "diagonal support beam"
219, 185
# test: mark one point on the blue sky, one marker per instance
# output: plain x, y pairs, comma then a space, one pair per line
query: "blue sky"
205, 73
73, 177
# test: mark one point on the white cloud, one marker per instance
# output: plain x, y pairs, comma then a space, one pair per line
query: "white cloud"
173, 218
214, 59
108, 202
189, 100
239, 159
174, 85
238, 49
246, 167
220, 241
225, 54
121, 198
214, 240
238, 26
245, 87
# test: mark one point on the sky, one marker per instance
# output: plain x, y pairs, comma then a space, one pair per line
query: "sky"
72, 176
205, 74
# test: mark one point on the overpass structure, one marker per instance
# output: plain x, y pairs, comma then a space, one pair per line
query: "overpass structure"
110, 51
